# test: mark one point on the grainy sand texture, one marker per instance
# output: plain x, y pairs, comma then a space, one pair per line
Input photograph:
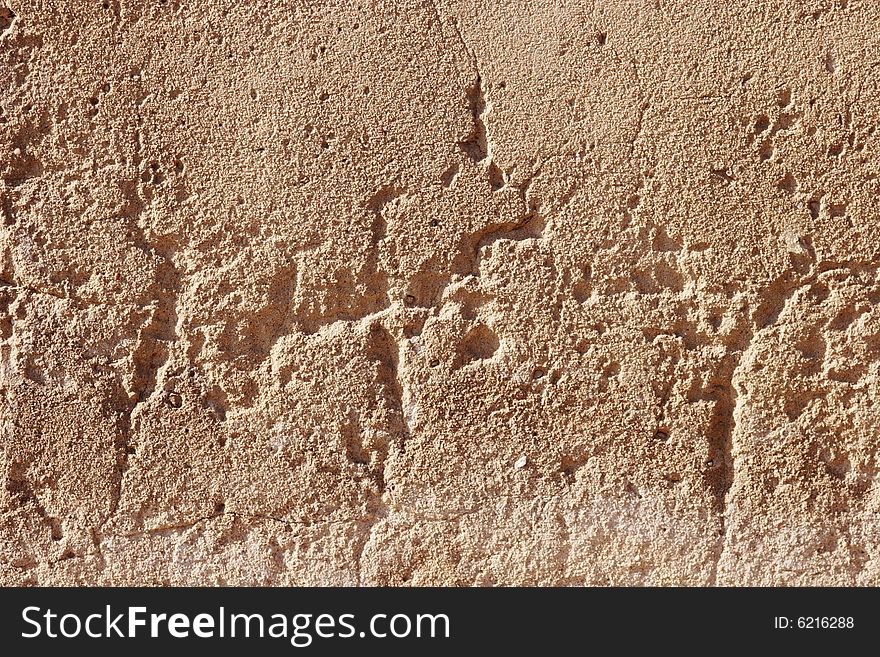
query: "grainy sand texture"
441, 292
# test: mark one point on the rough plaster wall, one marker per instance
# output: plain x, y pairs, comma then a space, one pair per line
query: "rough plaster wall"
451, 292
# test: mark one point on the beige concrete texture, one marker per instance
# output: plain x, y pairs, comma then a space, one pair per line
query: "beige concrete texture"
548, 292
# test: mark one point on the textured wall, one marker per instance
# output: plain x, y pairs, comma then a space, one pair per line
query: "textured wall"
439, 292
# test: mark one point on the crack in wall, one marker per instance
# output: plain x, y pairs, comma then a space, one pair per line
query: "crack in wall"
733, 398
159, 330
148, 358
478, 145
529, 225
385, 351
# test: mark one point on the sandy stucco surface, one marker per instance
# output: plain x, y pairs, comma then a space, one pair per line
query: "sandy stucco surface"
451, 292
